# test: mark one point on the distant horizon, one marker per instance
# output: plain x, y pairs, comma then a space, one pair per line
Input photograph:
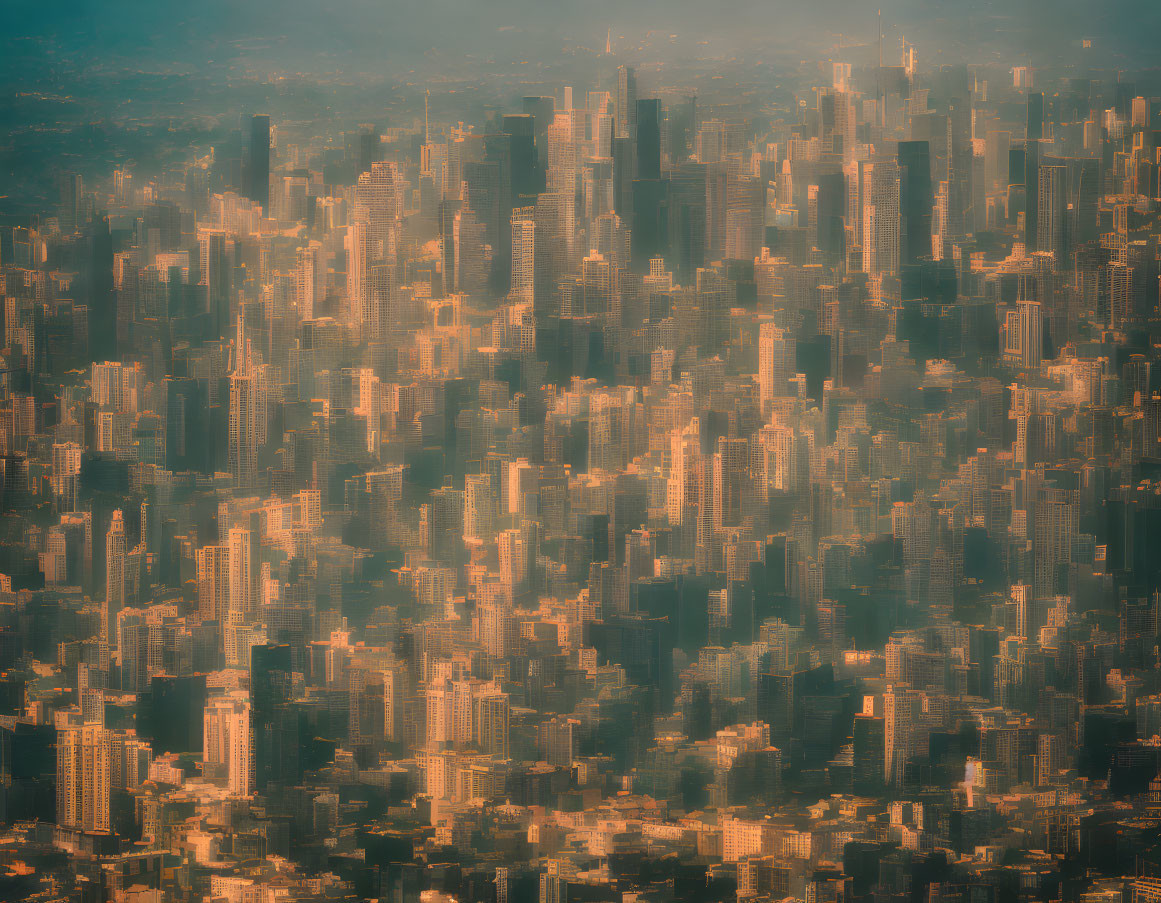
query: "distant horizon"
360, 33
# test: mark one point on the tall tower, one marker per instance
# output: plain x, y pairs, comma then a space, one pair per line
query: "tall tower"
247, 413
1030, 326
869, 753
228, 741
959, 168
379, 204
114, 577
1052, 212
243, 451
83, 777
774, 365
213, 582
66, 474
881, 218
258, 175
1031, 192
523, 254
1121, 295
902, 708
626, 103
479, 507
243, 575
1035, 115
216, 269
915, 200
491, 723
648, 123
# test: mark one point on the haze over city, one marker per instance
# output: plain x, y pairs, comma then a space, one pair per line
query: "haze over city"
522, 452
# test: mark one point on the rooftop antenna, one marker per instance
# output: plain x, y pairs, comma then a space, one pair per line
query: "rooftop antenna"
609, 42
426, 134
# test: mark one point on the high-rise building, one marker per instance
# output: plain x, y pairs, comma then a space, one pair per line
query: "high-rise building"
216, 274
66, 473
648, 139
492, 724
229, 743
213, 571
1031, 193
869, 753
828, 213
84, 756
627, 103
524, 255
1035, 127
881, 218
258, 174
248, 402
243, 555
543, 111
902, 711
915, 201
1052, 213
115, 577
1024, 331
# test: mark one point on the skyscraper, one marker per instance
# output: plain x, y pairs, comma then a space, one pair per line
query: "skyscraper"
524, 254
258, 174
915, 201
247, 412
66, 472
774, 365
1052, 213
228, 741
216, 270
829, 208
115, 549
1028, 341
627, 103
902, 709
881, 218
84, 757
242, 597
649, 139
1035, 115
1031, 193
491, 723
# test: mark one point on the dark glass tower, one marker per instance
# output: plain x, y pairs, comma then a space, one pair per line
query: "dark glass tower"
915, 200
258, 175
1031, 192
832, 195
649, 139
1035, 116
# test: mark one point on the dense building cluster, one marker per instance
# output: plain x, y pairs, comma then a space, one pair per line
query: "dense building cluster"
633, 497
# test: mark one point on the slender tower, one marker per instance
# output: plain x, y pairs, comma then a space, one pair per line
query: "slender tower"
879, 74
114, 577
